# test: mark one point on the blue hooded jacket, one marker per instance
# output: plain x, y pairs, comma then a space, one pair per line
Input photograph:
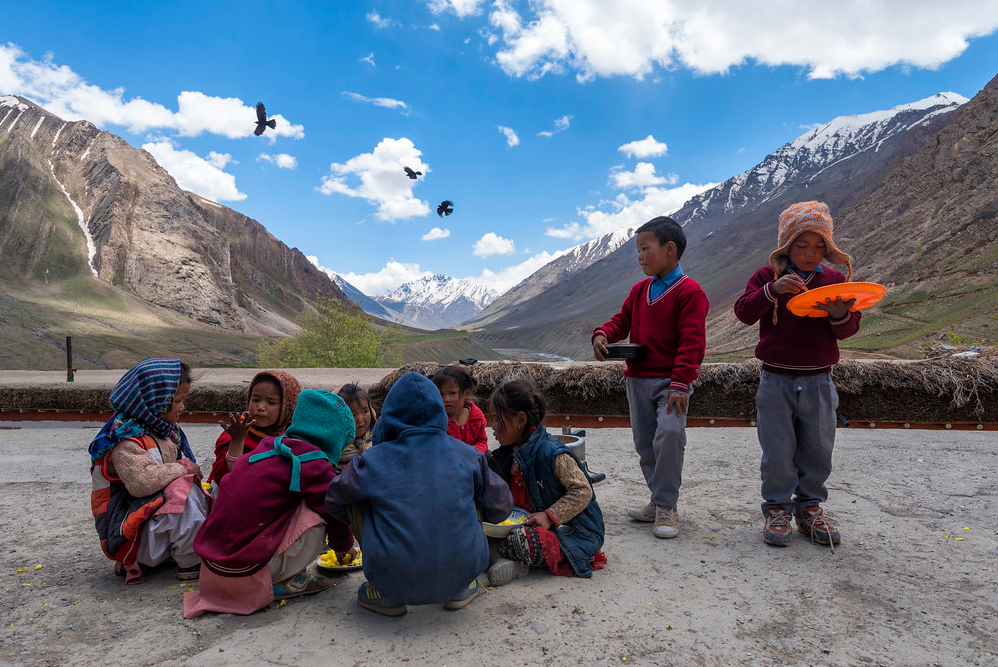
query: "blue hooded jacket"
422, 539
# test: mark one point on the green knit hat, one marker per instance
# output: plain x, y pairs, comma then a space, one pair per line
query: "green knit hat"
321, 418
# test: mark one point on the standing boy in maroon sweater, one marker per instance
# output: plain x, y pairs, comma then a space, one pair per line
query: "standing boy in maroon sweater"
667, 314
796, 400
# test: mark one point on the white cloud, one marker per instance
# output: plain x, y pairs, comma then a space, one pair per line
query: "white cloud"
384, 102
65, 93
643, 176
369, 59
627, 213
382, 179
462, 8
511, 138
282, 160
436, 233
513, 275
595, 38
560, 125
381, 22
643, 148
199, 175
387, 279
493, 244
219, 160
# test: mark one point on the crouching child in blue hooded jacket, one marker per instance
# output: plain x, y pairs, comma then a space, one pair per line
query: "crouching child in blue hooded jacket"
413, 502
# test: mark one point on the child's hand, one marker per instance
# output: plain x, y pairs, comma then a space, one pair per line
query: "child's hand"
192, 468
679, 401
599, 347
540, 519
239, 426
346, 557
789, 283
836, 309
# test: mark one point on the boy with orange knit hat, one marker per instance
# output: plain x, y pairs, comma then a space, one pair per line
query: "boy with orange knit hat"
796, 400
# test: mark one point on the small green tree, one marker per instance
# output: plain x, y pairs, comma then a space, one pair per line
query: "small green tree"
334, 336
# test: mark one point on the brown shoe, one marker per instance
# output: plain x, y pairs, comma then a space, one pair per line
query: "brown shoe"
646, 513
666, 522
777, 530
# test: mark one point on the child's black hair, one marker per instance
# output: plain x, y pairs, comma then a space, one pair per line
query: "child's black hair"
354, 393
459, 374
516, 396
186, 374
666, 229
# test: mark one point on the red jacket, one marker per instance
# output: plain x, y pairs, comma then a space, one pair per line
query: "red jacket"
672, 328
254, 507
473, 431
220, 468
794, 345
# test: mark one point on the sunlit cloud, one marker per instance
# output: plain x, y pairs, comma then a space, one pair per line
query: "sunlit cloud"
511, 137
435, 233
203, 176
493, 244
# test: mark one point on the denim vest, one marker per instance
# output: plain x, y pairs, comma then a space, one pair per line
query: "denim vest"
536, 459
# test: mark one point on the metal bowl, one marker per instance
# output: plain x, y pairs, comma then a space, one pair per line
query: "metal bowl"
625, 351
500, 531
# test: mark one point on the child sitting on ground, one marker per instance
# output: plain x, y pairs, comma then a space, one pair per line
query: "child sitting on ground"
413, 501
796, 399
269, 521
364, 418
270, 402
465, 420
667, 314
147, 500
564, 527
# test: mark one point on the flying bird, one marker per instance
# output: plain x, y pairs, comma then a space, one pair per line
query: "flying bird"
412, 174
446, 208
261, 120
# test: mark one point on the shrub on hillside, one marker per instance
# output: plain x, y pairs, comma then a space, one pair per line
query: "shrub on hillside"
334, 336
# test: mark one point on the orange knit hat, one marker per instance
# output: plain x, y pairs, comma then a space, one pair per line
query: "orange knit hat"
807, 216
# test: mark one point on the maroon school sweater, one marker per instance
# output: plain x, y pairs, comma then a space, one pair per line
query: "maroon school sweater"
794, 345
672, 329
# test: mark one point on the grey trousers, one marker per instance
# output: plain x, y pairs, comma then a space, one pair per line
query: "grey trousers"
796, 425
659, 438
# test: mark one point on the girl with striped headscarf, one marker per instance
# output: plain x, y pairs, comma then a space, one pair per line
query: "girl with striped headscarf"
147, 500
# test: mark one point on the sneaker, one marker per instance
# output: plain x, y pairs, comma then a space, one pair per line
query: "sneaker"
812, 521
505, 570
465, 597
777, 530
302, 583
666, 522
646, 513
191, 573
369, 597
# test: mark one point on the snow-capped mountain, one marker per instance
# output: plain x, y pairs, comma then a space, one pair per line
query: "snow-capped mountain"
572, 260
807, 156
438, 301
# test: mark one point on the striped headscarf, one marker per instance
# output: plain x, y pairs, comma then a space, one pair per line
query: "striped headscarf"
140, 399
289, 399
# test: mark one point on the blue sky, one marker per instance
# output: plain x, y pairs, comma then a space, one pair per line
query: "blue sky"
547, 123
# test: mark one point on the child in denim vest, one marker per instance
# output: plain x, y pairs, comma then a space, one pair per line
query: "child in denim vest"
796, 400
564, 528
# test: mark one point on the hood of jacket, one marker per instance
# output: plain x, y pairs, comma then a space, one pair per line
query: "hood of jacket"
412, 402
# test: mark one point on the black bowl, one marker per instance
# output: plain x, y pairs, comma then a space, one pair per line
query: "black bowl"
625, 351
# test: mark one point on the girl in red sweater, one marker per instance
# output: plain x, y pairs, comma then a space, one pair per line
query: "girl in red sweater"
465, 420
796, 400
270, 402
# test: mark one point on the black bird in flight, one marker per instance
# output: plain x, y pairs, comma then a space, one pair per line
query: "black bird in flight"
446, 208
412, 174
261, 120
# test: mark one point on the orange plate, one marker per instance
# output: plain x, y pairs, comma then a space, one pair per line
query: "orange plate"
866, 294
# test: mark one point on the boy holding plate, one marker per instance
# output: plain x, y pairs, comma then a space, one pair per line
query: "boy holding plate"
796, 400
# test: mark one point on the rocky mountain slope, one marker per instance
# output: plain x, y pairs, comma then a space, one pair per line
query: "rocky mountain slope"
731, 230
77, 203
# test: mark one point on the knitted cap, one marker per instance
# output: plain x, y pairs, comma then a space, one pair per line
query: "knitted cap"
807, 216
321, 418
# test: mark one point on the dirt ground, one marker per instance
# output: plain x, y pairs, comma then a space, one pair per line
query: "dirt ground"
913, 583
